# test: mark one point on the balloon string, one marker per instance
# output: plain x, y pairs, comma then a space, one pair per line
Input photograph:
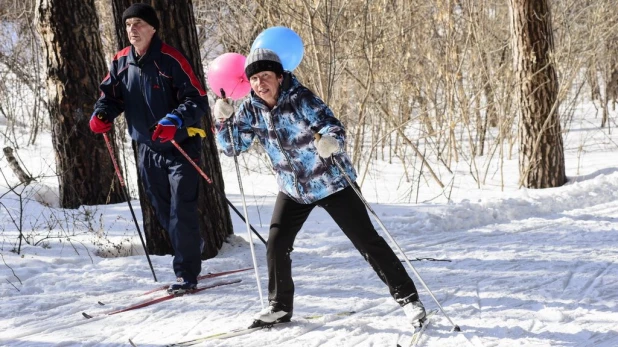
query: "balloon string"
232, 92
233, 89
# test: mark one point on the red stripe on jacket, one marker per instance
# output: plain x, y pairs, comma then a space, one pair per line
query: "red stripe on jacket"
184, 65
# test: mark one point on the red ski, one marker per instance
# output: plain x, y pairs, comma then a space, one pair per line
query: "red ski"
210, 275
199, 278
158, 300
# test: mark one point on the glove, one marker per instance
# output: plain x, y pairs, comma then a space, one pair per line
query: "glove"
99, 123
326, 146
166, 128
223, 110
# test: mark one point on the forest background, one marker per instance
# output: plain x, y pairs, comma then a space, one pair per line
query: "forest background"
430, 87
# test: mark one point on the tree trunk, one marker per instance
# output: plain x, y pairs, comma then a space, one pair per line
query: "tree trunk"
541, 155
75, 64
178, 30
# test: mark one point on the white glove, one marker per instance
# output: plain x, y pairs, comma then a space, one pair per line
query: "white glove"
326, 146
223, 110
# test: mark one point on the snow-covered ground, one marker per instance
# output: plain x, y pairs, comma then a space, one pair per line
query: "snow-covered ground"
513, 267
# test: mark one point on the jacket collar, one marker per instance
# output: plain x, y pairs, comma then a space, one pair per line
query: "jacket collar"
153, 52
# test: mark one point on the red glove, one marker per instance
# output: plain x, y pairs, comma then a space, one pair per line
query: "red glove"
99, 124
166, 128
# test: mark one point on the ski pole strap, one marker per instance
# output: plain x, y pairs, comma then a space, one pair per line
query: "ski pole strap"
196, 131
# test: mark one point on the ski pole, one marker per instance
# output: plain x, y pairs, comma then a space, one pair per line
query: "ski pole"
126, 196
375, 215
203, 174
244, 206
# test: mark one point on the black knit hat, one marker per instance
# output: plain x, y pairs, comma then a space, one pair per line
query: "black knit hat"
142, 11
262, 59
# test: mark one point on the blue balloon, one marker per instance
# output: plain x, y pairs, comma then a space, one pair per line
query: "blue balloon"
283, 41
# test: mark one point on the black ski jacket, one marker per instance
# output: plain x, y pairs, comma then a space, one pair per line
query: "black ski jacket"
146, 90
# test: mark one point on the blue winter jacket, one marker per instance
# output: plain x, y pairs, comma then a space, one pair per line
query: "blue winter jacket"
161, 82
287, 132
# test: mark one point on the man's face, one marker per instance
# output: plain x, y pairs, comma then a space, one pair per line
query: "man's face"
266, 85
140, 33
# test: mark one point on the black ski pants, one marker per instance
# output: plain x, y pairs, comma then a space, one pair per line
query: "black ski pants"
171, 183
350, 214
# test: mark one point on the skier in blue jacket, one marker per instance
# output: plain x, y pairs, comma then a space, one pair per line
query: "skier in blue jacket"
154, 85
284, 116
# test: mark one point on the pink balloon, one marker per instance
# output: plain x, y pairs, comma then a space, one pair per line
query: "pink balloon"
227, 71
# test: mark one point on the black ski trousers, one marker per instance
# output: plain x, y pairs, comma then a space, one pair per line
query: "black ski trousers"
350, 214
171, 183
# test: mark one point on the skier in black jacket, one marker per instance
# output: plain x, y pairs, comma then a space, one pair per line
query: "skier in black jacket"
154, 85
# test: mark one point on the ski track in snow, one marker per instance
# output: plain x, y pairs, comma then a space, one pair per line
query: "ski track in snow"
535, 269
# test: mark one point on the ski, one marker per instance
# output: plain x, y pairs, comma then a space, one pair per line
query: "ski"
244, 331
202, 277
418, 331
158, 300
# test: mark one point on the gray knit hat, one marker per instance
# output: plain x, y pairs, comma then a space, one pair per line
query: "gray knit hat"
262, 59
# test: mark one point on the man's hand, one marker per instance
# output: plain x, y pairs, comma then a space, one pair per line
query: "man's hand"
166, 128
99, 123
223, 110
326, 145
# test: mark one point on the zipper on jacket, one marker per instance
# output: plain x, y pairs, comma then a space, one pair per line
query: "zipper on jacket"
287, 157
141, 88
